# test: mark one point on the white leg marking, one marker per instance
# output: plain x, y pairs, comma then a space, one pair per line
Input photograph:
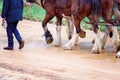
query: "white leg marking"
118, 55
71, 43
57, 41
97, 46
68, 28
105, 37
104, 40
115, 38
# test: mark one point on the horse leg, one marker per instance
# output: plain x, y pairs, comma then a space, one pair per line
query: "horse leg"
109, 29
57, 41
115, 41
107, 14
72, 42
105, 37
97, 48
115, 38
69, 28
78, 32
48, 35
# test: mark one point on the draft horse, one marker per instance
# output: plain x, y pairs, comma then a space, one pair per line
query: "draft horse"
93, 9
58, 9
55, 8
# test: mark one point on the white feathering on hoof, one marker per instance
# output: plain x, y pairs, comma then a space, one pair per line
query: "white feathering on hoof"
118, 54
71, 42
57, 41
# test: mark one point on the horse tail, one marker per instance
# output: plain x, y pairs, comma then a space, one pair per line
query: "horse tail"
116, 9
96, 10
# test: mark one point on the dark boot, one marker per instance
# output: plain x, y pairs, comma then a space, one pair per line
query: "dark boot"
8, 48
21, 44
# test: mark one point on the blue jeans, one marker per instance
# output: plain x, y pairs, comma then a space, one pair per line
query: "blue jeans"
12, 29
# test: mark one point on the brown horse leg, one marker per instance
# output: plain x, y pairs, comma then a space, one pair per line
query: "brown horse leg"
79, 31
74, 39
97, 45
48, 35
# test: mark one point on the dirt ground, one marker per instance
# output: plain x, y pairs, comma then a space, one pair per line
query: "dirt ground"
41, 61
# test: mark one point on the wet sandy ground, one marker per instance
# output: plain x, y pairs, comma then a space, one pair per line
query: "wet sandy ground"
40, 61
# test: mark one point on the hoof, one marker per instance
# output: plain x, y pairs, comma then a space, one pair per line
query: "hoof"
56, 45
118, 48
82, 34
49, 40
118, 56
96, 52
48, 36
66, 48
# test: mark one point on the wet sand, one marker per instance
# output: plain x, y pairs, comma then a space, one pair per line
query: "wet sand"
41, 61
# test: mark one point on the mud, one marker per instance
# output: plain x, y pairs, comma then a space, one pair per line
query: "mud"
41, 61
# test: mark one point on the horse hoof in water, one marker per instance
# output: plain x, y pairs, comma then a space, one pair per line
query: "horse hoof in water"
49, 40
82, 34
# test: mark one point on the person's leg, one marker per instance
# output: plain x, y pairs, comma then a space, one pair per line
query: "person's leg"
9, 36
18, 36
16, 32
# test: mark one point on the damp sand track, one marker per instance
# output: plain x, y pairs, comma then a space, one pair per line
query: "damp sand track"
40, 61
